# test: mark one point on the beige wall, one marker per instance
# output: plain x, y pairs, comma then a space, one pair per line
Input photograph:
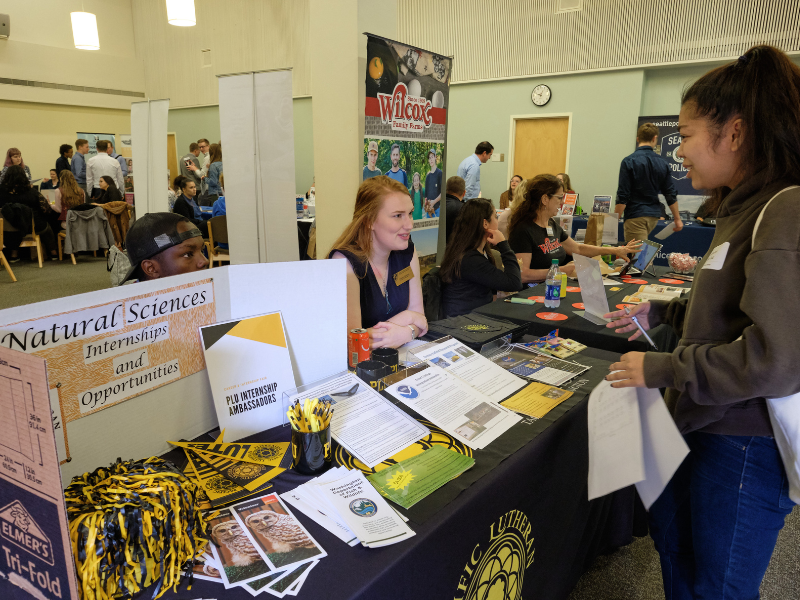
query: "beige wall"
39, 129
40, 48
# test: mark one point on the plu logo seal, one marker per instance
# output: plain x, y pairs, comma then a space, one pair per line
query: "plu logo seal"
363, 507
18, 527
476, 327
496, 567
406, 391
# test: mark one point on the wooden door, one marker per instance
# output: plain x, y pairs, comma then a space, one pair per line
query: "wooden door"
540, 146
172, 157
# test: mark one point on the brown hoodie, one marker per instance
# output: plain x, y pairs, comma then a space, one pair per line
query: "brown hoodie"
718, 382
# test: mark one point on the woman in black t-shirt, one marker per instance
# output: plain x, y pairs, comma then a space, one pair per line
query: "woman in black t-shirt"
537, 239
384, 294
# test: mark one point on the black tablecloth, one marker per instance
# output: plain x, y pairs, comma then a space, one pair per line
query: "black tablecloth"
526, 523
578, 328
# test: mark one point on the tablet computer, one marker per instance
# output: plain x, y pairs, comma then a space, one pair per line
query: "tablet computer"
644, 257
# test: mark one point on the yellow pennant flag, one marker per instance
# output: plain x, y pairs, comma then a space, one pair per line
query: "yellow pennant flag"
269, 455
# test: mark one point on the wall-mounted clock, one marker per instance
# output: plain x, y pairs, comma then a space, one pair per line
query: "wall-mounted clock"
540, 95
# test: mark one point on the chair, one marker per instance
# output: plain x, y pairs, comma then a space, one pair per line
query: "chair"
33, 242
3, 260
62, 235
87, 230
217, 229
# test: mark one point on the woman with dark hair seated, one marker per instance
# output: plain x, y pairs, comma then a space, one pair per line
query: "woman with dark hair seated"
186, 206
17, 195
109, 191
468, 271
174, 191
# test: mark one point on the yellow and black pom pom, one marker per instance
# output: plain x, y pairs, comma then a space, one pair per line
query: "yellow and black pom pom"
133, 524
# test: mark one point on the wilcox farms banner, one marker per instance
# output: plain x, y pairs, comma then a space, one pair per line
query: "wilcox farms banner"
405, 128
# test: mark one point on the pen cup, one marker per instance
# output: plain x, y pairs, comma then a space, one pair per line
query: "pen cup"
372, 372
311, 452
388, 356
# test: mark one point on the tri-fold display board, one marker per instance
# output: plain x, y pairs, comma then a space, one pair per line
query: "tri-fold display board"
125, 365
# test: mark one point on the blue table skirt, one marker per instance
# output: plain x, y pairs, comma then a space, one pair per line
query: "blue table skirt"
693, 238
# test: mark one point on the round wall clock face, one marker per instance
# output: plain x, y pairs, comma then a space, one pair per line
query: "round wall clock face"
540, 95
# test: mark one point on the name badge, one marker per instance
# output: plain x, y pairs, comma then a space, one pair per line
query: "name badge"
717, 257
402, 276
550, 230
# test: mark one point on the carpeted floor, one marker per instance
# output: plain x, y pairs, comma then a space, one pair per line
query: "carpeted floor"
634, 572
54, 280
631, 573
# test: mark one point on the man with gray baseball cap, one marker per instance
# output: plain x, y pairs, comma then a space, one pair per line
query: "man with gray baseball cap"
163, 244
370, 170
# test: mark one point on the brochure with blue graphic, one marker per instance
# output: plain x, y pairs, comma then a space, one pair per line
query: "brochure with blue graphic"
454, 406
368, 515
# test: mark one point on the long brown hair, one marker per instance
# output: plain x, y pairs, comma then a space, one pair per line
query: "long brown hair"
510, 192
71, 194
567, 182
214, 153
467, 234
762, 87
357, 237
527, 210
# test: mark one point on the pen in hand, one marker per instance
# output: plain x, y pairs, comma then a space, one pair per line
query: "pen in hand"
644, 333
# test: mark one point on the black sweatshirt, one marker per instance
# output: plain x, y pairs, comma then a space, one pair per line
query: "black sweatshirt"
479, 279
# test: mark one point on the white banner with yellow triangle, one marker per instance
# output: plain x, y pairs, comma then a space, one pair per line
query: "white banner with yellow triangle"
249, 368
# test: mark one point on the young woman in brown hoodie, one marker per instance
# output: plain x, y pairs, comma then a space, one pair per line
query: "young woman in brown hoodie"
716, 523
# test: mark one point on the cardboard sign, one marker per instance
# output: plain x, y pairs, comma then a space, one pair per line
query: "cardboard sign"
35, 553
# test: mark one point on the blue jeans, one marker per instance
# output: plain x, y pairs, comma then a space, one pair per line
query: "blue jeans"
716, 524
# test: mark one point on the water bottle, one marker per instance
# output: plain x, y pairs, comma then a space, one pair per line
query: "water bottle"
552, 294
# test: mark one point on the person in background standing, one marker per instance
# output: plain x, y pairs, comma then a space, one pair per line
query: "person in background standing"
99, 165
62, 162
190, 164
78, 165
454, 202
644, 175
14, 157
564, 178
214, 169
417, 196
371, 169
433, 185
205, 150
51, 183
123, 164
470, 168
508, 195
396, 172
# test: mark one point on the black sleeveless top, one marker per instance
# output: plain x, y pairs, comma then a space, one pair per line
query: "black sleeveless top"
373, 303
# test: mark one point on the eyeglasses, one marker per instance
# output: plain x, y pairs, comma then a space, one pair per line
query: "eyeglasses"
561, 197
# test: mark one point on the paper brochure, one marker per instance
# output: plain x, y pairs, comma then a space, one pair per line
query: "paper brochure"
632, 441
249, 368
454, 406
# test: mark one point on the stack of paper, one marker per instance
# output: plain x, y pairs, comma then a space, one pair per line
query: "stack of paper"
654, 292
412, 479
533, 365
258, 545
348, 506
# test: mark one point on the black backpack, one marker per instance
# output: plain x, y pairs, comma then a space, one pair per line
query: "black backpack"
432, 295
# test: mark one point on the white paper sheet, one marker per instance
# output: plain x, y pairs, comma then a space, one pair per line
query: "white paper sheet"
368, 426
615, 440
610, 228
593, 293
668, 230
455, 407
476, 370
663, 446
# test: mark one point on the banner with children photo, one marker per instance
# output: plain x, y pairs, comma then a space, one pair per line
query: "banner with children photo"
405, 129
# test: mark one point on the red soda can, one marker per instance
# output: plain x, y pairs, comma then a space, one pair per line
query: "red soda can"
357, 346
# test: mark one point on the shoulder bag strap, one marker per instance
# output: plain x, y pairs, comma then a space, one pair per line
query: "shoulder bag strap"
763, 210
